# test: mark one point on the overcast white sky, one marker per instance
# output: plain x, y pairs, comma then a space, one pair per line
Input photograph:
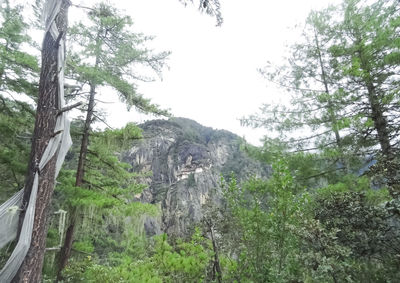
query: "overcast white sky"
212, 76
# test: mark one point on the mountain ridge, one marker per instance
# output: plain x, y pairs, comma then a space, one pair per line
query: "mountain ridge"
187, 161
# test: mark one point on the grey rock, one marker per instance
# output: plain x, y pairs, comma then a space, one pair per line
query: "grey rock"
186, 161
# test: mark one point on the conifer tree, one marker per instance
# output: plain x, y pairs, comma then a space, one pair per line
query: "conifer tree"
19, 74
352, 54
108, 54
318, 108
18, 69
367, 55
48, 110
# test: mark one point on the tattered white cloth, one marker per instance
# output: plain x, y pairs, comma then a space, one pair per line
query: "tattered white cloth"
60, 144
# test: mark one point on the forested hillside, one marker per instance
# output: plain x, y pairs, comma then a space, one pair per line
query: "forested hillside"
170, 200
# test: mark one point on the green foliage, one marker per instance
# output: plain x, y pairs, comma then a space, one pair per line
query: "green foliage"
350, 235
109, 181
267, 212
193, 131
18, 69
184, 262
84, 246
107, 220
187, 262
119, 139
16, 123
344, 90
309, 169
279, 232
362, 60
311, 221
18, 80
109, 53
323, 258
138, 208
73, 196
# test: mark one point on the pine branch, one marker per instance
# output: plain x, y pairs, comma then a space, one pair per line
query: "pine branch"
68, 108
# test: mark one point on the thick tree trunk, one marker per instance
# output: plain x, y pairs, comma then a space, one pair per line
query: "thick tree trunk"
47, 108
69, 237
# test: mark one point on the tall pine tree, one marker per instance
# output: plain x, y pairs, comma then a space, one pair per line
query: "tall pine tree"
107, 55
19, 75
345, 86
367, 53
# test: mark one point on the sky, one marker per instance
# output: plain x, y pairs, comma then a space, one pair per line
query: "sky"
212, 75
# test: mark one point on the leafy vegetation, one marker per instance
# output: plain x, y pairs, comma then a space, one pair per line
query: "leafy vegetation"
329, 211
19, 74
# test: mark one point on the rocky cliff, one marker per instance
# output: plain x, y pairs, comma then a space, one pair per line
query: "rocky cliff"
186, 161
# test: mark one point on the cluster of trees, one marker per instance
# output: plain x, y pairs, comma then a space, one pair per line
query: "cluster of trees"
331, 205
343, 78
101, 53
329, 211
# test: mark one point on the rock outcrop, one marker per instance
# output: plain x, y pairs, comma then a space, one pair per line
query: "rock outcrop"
186, 161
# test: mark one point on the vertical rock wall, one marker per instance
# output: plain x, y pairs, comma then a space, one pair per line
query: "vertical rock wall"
186, 161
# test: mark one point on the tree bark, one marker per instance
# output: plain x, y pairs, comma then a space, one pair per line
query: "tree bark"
46, 116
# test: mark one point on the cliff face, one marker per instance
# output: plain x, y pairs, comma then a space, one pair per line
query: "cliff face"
186, 161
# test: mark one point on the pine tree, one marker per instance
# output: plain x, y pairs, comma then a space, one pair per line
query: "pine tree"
48, 108
19, 74
18, 69
352, 53
312, 129
367, 55
110, 53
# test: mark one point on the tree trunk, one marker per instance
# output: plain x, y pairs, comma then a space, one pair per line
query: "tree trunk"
66, 248
389, 166
85, 138
380, 122
382, 130
331, 110
217, 267
65, 252
46, 116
